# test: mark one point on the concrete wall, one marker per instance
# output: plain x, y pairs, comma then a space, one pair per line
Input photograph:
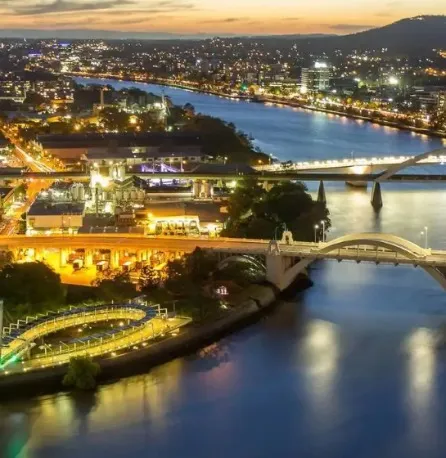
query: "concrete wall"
54, 221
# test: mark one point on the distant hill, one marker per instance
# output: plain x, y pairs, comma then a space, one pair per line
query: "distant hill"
414, 36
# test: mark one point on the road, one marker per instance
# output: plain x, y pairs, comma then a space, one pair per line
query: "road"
388, 245
34, 186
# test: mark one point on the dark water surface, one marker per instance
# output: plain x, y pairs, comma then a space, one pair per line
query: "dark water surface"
348, 369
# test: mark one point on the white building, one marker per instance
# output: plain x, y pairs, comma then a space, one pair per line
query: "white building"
316, 78
56, 217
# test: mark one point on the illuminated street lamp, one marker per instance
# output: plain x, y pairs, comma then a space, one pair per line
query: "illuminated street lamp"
425, 233
323, 230
316, 227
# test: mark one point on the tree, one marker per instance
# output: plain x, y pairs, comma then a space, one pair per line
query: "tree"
255, 213
189, 109
222, 139
149, 280
115, 119
176, 276
438, 120
6, 257
35, 99
114, 286
81, 374
199, 306
247, 192
30, 288
187, 275
199, 265
242, 273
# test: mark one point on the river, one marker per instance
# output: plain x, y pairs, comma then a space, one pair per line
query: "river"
347, 369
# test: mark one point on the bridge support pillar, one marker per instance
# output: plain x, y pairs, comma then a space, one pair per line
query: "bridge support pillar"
321, 197
38, 255
274, 269
114, 259
196, 186
88, 258
376, 200
63, 257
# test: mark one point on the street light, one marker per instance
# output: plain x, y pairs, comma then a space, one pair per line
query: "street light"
316, 227
323, 230
425, 233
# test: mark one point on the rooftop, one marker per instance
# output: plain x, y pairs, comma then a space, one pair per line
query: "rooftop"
127, 153
206, 211
39, 208
223, 168
119, 140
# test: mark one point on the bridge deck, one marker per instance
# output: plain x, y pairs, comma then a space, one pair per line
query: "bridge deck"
260, 176
393, 249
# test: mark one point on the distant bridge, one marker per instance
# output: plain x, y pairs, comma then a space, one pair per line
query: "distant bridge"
360, 170
360, 165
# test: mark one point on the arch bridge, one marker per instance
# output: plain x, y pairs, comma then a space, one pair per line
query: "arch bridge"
285, 262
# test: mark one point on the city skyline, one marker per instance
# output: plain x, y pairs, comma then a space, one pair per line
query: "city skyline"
196, 17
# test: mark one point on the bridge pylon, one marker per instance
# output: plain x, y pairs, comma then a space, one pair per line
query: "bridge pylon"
321, 197
376, 200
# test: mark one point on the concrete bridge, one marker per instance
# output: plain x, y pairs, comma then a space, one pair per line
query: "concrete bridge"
354, 171
285, 262
284, 259
358, 165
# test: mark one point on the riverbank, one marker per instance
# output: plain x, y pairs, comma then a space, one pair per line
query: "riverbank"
381, 122
267, 100
257, 300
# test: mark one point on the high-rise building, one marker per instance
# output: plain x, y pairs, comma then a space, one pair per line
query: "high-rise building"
442, 102
316, 78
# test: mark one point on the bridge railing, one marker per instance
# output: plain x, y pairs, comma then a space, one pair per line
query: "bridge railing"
36, 327
105, 347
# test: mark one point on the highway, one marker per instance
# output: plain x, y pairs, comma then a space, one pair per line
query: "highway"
34, 186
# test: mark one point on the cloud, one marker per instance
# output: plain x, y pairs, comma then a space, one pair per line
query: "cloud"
24, 8
63, 6
389, 8
291, 19
228, 20
349, 27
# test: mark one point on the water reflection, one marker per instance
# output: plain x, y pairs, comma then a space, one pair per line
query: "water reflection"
421, 347
421, 388
319, 350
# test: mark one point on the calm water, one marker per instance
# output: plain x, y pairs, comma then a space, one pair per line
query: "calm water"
345, 370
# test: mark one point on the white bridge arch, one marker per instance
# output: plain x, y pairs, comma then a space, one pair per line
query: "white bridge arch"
388, 241
394, 250
392, 170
